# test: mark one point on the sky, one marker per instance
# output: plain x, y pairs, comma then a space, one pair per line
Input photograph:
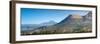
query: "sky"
37, 15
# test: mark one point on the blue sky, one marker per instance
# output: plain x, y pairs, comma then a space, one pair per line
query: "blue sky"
37, 16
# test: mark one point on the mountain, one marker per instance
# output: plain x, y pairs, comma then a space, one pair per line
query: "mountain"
88, 16
87, 21
74, 23
26, 27
69, 23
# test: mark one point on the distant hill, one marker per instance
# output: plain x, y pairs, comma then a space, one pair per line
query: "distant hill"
74, 23
48, 23
26, 27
